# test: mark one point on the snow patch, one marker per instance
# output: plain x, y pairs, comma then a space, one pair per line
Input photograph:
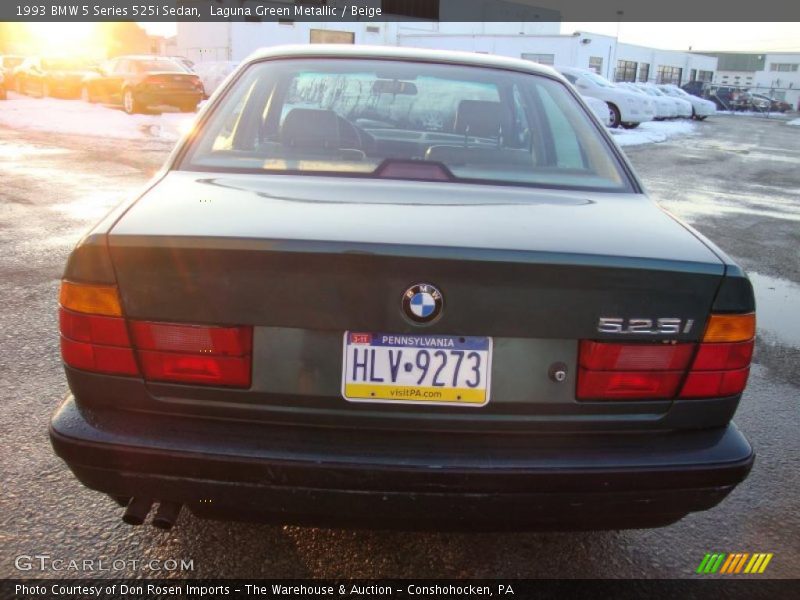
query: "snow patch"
81, 118
795, 122
653, 132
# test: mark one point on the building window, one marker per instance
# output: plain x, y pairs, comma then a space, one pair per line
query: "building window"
596, 64
644, 72
705, 75
667, 74
542, 59
329, 36
626, 71
783, 67
418, 9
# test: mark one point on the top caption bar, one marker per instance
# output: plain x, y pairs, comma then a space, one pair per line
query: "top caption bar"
397, 10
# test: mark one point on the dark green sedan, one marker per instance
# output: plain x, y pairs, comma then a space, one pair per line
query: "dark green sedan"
402, 288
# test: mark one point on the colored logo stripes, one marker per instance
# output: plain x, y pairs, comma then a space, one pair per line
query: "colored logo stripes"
734, 564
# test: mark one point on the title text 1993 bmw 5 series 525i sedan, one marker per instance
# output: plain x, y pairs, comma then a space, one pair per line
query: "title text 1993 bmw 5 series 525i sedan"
402, 288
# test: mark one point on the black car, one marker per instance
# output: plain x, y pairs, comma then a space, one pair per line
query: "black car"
140, 82
50, 76
403, 288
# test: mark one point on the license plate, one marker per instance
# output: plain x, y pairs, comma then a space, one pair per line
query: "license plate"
416, 369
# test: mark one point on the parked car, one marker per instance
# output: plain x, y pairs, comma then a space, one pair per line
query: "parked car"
187, 64
402, 287
664, 107
599, 108
213, 73
725, 97
140, 82
765, 103
8, 62
682, 108
625, 108
701, 109
44, 76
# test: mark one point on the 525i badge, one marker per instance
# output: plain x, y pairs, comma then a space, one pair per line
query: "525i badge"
664, 326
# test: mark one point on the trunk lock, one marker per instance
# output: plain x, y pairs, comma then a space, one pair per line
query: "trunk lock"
558, 372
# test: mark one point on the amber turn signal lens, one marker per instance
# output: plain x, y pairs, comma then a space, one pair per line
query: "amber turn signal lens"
90, 299
730, 328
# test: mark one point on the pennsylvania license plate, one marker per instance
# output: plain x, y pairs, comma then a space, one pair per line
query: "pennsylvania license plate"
416, 369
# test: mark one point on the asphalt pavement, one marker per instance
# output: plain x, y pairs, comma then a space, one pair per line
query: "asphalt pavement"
736, 179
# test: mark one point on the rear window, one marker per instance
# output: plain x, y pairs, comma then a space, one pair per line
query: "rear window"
367, 118
145, 66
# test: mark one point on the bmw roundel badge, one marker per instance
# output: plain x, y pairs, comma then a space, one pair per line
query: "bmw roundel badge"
423, 303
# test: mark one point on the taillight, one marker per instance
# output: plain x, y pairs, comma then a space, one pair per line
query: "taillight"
722, 363
194, 354
716, 367
610, 371
96, 337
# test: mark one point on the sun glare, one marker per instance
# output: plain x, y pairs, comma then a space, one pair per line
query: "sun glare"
65, 39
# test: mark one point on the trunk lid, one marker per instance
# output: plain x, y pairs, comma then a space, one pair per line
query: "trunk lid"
304, 259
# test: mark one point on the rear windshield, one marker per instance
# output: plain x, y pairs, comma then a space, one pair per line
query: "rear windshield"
145, 66
369, 118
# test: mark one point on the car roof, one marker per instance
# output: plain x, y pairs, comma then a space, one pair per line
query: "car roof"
395, 53
145, 57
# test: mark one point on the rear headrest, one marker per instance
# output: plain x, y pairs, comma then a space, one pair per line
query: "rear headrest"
479, 118
311, 128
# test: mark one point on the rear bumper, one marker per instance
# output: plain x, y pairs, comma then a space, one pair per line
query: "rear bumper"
317, 476
168, 98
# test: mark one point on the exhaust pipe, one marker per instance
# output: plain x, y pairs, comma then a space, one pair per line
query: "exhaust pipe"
137, 510
166, 515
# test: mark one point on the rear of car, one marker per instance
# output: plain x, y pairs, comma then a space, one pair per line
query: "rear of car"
396, 288
701, 109
626, 108
157, 81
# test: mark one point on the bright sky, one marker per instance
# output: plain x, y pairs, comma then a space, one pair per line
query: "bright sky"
744, 37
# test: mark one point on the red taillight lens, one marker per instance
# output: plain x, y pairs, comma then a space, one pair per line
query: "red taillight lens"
194, 354
112, 360
610, 371
96, 343
719, 365
94, 337
168, 337
711, 384
716, 357
601, 356
93, 329
611, 385
194, 368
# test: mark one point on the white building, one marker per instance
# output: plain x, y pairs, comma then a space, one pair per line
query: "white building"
234, 40
775, 74
603, 54
539, 41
